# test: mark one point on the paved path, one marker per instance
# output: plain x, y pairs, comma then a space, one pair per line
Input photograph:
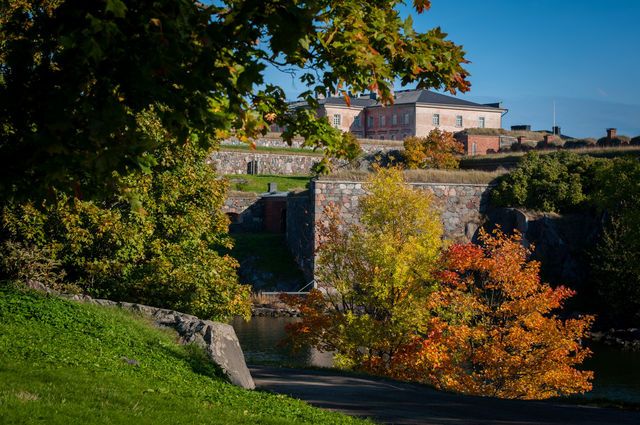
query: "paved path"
400, 403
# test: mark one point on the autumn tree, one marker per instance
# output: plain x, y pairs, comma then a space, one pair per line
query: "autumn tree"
438, 150
495, 329
75, 74
377, 276
127, 209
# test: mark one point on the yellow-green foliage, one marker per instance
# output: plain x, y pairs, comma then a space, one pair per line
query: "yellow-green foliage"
155, 240
382, 271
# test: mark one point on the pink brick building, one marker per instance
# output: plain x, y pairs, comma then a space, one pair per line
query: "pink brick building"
413, 113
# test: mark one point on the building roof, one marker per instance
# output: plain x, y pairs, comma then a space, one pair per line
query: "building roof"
401, 97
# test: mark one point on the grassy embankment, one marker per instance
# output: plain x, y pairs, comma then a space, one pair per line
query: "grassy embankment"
61, 363
512, 158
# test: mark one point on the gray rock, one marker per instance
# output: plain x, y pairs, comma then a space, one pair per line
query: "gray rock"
223, 348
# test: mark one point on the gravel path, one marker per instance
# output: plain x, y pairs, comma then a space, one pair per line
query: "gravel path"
399, 403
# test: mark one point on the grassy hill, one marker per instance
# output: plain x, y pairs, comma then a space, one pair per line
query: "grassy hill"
66, 363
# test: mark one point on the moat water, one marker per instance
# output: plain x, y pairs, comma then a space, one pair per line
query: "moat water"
617, 372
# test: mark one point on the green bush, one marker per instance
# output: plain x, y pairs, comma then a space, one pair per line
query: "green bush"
580, 143
555, 182
155, 240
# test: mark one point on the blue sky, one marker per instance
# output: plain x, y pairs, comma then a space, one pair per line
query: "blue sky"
584, 55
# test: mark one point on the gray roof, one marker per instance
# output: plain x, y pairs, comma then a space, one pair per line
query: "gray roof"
402, 97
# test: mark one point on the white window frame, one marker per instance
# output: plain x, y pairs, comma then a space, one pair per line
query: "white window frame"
481, 122
458, 120
356, 121
371, 122
394, 119
405, 118
436, 119
337, 120
383, 121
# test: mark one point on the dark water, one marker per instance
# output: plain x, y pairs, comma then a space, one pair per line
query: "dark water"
259, 338
617, 372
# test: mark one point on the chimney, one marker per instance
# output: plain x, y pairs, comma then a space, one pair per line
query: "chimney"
611, 134
521, 140
372, 95
273, 187
556, 130
547, 140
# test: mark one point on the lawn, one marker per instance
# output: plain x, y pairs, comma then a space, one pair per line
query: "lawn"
62, 362
259, 183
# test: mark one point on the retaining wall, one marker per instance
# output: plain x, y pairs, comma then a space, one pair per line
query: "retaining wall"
300, 231
462, 205
238, 162
367, 145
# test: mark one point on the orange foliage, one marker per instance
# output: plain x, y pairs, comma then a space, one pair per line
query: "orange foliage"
494, 332
437, 150
480, 321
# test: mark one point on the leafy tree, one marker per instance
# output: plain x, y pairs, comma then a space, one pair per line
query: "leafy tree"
161, 250
493, 331
616, 271
378, 275
74, 75
437, 150
128, 207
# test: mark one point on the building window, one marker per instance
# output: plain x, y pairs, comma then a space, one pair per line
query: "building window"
474, 149
404, 136
337, 120
458, 120
381, 137
405, 118
481, 122
383, 121
436, 119
370, 122
394, 119
356, 121
392, 137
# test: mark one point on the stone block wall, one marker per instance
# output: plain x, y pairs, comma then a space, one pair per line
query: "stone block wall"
368, 146
300, 231
245, 211
462, 205
237, 162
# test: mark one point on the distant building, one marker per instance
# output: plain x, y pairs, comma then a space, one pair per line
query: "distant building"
413, 113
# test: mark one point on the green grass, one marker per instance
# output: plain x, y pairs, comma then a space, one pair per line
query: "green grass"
270, 255
264, 149
60, 363
259, 183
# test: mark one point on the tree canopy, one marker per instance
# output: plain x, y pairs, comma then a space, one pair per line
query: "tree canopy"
75, 75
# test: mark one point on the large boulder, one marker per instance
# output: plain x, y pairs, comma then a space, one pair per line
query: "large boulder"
219, 340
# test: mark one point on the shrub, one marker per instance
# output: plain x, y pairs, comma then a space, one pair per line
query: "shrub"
20, 262
437, 150
635, 141
580, 143
155, 240
558, 182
